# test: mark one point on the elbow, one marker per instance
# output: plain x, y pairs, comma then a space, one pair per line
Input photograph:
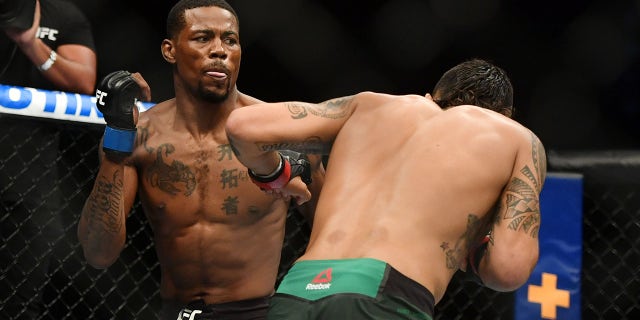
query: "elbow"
98, 261
234, 126
237, 128
511, 278
81, 88
86, 86
85, 82
507, 281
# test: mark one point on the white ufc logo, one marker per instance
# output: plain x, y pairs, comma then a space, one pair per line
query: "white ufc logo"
99, 96
186, 313
44, 32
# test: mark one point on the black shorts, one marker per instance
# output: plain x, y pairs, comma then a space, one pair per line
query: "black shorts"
253, 309
349, 289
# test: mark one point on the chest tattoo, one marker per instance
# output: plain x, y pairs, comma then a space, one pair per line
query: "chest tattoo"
172, 178
225, 152
230, 205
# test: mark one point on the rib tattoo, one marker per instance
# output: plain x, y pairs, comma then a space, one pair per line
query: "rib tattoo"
453, 255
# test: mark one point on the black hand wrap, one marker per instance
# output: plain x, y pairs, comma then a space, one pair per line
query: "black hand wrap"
292, 164
116, 96
300, 165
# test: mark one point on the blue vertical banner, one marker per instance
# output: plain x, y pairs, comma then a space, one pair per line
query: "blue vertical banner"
553, 290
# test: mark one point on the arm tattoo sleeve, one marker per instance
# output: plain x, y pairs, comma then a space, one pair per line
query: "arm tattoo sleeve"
539, 158
104, 215
331, 109
523, 202
311, 145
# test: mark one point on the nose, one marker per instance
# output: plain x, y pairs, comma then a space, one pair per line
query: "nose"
217, 49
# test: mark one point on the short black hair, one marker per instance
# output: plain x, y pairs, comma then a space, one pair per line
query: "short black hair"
476, 82
176, 20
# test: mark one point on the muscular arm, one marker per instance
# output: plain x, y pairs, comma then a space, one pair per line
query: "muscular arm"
513, 252
75, 66
102, 225
74, 69
256, 133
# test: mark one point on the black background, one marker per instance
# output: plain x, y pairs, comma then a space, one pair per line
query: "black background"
575, 65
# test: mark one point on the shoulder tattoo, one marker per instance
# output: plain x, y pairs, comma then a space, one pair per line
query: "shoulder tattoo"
522, 194
539, 158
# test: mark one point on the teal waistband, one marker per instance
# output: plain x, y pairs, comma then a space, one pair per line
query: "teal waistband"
316, 279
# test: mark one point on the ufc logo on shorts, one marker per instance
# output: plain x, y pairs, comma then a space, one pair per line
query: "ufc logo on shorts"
188, 314
44, 32
99, 96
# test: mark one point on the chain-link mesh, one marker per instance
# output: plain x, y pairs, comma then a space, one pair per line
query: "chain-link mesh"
47, 171
611, 231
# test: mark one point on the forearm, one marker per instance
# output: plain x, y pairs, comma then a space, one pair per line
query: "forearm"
249, 147
256, 132
102, 229
263, 164
74, 68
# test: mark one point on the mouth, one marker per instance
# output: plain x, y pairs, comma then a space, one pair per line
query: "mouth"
217, 72
217, 75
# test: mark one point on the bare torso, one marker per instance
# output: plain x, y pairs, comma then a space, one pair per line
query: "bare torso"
217, 236
391, 193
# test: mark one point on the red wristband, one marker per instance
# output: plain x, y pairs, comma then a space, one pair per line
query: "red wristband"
276, 182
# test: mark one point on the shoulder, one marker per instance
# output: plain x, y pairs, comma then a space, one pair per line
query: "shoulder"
68, 6
69, 22
65, 11
157, 112
488, 124
481, 116
247, 100
153, 124
372, 99
368, 96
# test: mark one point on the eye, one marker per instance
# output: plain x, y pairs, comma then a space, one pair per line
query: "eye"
231, 41
202, 39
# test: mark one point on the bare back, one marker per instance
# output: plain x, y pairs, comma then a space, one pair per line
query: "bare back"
217, 236
400, 188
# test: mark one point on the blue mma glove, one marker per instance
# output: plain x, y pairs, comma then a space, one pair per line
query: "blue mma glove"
116, 98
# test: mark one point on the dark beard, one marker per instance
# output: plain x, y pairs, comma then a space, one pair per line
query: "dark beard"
213, 96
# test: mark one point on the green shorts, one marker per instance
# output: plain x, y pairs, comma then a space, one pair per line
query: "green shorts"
349, 289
